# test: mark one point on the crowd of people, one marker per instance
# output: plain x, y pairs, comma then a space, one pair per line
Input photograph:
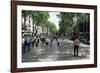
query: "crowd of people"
29, 41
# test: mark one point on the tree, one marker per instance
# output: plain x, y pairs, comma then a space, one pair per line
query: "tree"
65, 23
39, 19
24, 15
50, 27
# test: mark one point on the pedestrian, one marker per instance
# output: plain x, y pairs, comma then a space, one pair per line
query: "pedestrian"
47, 41
37, 41
33, 41
59, 42
28, 42
76, 46
43, 40
51, 40
23, 45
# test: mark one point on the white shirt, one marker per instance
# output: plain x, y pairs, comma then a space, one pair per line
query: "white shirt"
28, 39
23, 40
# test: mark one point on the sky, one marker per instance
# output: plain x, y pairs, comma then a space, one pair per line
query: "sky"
53, 18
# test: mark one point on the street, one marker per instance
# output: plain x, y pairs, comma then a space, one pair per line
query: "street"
53, 52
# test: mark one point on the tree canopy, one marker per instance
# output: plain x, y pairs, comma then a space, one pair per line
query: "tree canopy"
39, 18
66, 21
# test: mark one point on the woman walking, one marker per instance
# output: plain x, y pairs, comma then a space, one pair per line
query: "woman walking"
76, 46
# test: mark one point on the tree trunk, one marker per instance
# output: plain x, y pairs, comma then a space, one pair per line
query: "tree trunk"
25, 27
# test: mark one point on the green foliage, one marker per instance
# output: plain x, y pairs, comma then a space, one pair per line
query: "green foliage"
42, 19
24, 15
66, 21
39, 17
51, 27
